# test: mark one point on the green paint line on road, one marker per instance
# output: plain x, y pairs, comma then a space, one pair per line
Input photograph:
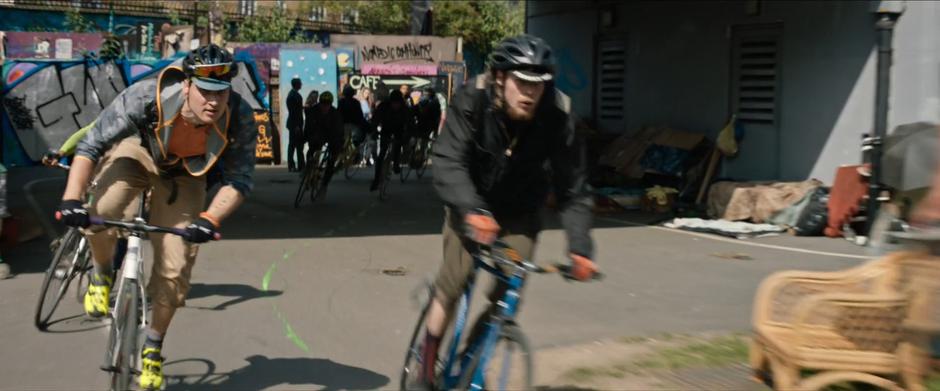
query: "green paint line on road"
288, 330
266, 280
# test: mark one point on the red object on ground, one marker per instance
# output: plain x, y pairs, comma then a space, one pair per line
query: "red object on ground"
845, 198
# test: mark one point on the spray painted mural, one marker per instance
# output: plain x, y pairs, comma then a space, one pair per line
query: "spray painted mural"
45, 102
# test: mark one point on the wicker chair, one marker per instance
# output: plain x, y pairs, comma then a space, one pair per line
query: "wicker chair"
846, 326
919, 279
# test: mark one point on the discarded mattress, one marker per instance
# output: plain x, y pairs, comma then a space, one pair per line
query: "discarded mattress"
755, 201
733, 229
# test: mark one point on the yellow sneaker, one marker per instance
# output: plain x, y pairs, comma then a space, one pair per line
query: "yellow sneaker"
151, 378
96, 297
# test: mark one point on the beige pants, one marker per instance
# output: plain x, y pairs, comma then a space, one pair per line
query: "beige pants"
519, 233
124, 174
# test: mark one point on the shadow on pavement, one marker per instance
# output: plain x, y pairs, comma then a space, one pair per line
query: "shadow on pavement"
239, 293
262, 372
349, 210
75, 324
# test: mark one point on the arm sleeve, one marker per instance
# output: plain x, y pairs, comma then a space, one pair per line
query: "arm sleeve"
570, 175
124, 117
452, 162
239, 158
71, 144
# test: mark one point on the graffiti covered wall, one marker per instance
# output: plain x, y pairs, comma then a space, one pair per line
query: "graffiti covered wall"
45, 102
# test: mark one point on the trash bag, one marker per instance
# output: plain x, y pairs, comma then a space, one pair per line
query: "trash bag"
726, 138
815, 216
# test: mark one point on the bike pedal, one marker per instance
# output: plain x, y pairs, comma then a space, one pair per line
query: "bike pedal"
108, 368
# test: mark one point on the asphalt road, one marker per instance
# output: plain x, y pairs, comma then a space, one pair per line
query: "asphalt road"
331, 318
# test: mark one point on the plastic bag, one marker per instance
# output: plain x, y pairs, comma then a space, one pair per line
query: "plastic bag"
815, 216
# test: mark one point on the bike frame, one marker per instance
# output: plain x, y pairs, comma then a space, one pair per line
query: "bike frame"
456, 365
132, 268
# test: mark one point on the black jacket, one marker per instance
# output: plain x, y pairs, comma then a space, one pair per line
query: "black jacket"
352, 113
295, 111
323, 127
473, 168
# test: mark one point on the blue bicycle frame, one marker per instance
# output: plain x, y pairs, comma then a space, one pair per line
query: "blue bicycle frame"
454, 372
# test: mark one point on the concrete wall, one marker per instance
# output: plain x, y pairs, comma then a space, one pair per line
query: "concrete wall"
570, 31
678, 71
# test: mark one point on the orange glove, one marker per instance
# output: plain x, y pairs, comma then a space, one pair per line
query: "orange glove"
481, 227
582, 268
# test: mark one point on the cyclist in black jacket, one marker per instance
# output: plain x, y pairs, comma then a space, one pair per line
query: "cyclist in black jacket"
502, 130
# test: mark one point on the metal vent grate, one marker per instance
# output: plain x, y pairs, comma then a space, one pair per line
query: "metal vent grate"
611, 80
756, 79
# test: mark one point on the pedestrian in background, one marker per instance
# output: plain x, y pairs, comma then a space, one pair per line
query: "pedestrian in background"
295, 126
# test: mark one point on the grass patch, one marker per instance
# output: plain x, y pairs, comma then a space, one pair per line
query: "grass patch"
933, 382
715, 352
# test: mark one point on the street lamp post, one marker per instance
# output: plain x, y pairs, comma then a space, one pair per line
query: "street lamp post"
887, 13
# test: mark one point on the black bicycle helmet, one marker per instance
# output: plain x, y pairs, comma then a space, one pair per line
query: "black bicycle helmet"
211, 66
526, 53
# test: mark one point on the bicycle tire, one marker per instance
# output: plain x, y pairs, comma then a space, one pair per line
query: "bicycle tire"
511, 334
406, 156
409, 375
423, 163
68, 248
386, 178
125, 326
318, 179
303, 187
351, 162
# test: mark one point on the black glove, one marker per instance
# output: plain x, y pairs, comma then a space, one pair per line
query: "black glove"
201, 231
73, 214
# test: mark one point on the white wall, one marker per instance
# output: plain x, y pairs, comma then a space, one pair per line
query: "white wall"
570, 32
678, 70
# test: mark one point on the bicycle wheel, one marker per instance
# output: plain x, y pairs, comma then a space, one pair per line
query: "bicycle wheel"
422, 163
386, 177
414, 362
70, 260
351, 161
407, 155
509, 366
123, 338
304, 185
316, 183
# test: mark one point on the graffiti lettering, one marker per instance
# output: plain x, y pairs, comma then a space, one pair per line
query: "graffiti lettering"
264, 150
389, 54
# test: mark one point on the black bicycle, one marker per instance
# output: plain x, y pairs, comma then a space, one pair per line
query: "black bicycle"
312, 178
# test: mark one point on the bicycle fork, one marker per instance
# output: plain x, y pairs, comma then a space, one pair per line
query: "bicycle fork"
131, 270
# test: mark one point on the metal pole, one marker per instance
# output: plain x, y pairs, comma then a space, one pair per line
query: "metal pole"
885, 29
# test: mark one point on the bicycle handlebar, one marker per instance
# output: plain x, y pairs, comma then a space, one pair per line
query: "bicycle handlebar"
501, 246
143, 227
139, 226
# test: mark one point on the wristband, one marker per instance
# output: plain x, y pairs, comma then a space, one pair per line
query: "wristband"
211, 219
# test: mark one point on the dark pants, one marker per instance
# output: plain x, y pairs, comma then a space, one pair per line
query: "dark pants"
295, 144
389, 141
